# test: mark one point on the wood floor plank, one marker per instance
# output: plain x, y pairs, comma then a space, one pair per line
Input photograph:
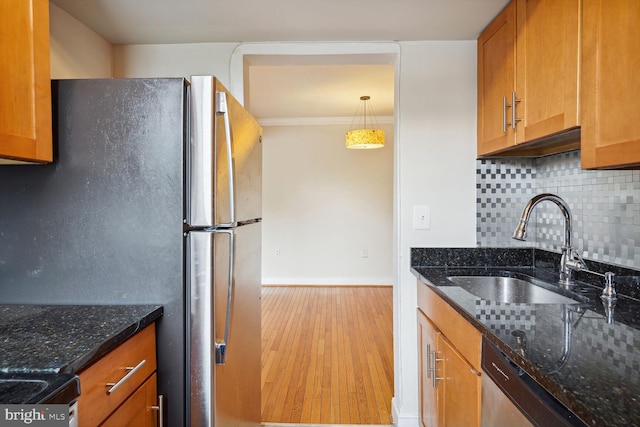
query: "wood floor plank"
327, 355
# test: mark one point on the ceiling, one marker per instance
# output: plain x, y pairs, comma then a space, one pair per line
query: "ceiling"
312, 94
195, 21
287, 87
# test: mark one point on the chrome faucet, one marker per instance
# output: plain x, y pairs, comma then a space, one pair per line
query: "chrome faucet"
570, 259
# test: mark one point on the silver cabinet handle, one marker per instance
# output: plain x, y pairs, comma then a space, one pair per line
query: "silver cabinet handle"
504, 114
223, 110
221, 345
435, 376
428, 360
514, 101
132, 371
160, 409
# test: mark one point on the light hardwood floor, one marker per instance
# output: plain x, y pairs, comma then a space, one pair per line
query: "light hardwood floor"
327, 355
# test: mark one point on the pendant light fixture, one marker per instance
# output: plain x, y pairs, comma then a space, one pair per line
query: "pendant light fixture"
367, 137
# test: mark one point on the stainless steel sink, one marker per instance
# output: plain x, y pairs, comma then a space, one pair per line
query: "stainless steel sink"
509, 290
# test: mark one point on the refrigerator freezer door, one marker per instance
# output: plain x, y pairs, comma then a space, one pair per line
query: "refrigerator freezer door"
225, 393
225, 158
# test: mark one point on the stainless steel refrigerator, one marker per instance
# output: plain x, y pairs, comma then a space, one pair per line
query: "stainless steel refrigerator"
154, 197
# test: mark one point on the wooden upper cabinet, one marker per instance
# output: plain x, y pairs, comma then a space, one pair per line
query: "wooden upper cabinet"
496, 81
25, 83
546, 67
610, 88
528, 79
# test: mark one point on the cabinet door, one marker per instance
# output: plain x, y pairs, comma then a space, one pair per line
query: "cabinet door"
137, 410
427, 342
546, 67
496, 81
25, 83
610, 87
461, 387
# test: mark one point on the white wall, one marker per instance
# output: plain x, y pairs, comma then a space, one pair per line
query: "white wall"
174, 60
323, 205
436, 149
76, 51
435, 140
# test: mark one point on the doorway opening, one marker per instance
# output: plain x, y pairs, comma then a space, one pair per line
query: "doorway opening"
328, 217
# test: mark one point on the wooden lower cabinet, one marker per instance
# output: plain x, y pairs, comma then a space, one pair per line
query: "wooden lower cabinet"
427, 344
450, 390
137, 410
120, 388
449, 365
461, 387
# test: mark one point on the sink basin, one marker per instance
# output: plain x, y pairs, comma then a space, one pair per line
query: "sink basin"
509, 290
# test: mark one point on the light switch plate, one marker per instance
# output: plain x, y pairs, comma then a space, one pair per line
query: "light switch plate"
421, 217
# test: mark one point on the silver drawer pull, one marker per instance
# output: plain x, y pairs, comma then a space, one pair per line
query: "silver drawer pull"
114, 386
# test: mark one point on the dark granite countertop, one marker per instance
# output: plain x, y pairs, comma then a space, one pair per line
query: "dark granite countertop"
39, 388
52, 343
600, 379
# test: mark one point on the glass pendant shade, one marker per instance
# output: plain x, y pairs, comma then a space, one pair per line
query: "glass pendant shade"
364, 138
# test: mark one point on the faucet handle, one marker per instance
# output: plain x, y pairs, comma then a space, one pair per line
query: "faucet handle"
575, 260
609, 291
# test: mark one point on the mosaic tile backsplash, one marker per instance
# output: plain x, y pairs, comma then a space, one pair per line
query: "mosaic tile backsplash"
605, 206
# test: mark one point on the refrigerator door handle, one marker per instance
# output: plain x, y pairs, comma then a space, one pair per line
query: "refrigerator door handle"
221, 345
223, 110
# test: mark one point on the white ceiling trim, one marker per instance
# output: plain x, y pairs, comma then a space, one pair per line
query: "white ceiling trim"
317, 121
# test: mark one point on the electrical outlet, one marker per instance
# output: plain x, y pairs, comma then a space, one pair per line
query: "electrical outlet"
364, 253
277, 252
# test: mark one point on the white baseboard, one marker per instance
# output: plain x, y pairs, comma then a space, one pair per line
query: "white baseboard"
322, 425
404, 420
306, 281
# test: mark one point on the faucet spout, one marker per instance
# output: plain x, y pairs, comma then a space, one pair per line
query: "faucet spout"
568, 260
521, 231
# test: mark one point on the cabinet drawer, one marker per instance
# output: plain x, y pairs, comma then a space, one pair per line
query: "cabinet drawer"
466, 338
99, 397
137, 411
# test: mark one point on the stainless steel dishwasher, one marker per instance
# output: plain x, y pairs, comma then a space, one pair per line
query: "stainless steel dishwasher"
511, 398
